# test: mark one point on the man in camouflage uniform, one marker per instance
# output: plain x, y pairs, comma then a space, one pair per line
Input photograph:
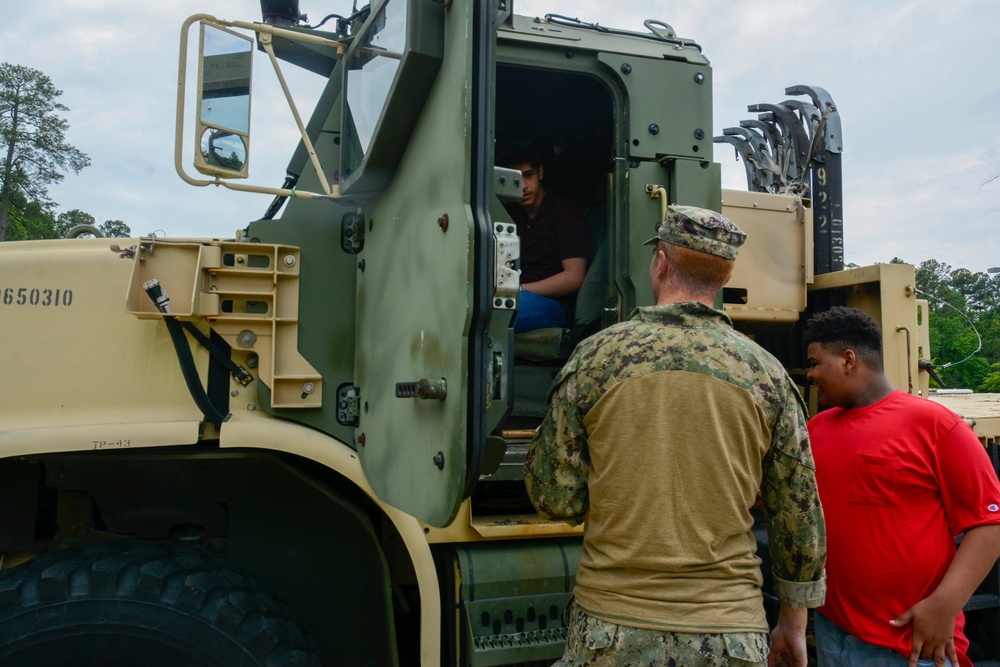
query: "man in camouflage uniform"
661, 431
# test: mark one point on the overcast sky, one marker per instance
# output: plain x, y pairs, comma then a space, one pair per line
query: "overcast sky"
917, 84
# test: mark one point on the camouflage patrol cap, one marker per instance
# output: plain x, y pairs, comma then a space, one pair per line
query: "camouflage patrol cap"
700, 229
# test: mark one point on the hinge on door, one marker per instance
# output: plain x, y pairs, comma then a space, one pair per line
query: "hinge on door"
508, 279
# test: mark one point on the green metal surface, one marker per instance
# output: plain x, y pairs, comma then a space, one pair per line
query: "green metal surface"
513, 598
413, 301
670, 113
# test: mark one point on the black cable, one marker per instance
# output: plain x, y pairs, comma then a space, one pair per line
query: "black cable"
190, 373
325, 19
183, 350
279, 201
238, 372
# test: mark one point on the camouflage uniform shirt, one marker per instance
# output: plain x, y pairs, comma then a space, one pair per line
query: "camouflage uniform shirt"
660, 432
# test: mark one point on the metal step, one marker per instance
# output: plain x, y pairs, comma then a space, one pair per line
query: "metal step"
983, 601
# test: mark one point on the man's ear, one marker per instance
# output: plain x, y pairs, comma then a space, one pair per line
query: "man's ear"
660, 261
541, 171
850, 360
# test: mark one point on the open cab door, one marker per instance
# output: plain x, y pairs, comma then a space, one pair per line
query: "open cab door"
429, 343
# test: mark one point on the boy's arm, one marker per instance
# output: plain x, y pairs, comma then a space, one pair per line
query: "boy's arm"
933, 617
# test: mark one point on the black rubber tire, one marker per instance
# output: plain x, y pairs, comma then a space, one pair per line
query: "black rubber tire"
135, 603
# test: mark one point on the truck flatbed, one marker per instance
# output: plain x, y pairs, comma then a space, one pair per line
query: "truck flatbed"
980, 411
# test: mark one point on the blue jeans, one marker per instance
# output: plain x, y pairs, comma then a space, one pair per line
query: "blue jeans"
836, 648
537, 312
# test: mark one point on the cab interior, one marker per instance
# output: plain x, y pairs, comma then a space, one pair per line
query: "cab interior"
570, 119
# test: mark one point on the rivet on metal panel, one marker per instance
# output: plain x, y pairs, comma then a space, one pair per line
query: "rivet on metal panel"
439, 460
443, 222
245, 339
289, 260
361, 439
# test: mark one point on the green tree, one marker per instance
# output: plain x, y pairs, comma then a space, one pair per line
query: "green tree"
964, 324
115, 229
35, 150
67, 220
28, 220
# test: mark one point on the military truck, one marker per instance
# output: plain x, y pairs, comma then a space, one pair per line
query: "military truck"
303, 444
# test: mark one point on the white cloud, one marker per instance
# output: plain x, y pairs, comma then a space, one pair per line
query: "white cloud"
916, 84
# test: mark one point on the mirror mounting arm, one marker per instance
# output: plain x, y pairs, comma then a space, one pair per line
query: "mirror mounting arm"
265, 33
332, 190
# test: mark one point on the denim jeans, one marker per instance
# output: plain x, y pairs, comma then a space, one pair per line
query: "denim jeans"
537, 312
836, 648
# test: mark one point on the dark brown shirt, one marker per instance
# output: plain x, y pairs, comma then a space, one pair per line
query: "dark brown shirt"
558, 232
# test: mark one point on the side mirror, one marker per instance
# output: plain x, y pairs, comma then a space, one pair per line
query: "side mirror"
222, 118
222, 141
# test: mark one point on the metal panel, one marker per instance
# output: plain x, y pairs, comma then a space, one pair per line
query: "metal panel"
415, 288
775, 263
669, 107
513, 597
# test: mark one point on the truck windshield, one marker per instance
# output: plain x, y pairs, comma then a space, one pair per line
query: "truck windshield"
371, 69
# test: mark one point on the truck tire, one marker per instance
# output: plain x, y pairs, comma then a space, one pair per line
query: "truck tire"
137, 603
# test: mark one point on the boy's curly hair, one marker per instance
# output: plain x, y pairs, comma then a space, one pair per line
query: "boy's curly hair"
840, 328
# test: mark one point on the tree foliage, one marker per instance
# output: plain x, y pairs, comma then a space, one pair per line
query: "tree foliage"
964, 315
33, 135
29, 220
115, 229
67, 221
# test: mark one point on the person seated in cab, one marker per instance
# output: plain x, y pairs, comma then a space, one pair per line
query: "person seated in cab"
555, 245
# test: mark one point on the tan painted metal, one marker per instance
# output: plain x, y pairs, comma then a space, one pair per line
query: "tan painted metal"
469, 527
885, 292
248, 292
776, 262
259, 430
79, 372
980, 411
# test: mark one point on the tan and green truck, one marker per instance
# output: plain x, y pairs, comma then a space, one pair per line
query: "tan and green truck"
302, 445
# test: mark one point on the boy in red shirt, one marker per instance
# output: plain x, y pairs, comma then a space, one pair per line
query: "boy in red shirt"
899, 478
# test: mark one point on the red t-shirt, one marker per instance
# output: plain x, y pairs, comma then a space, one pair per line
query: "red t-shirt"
898, 479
